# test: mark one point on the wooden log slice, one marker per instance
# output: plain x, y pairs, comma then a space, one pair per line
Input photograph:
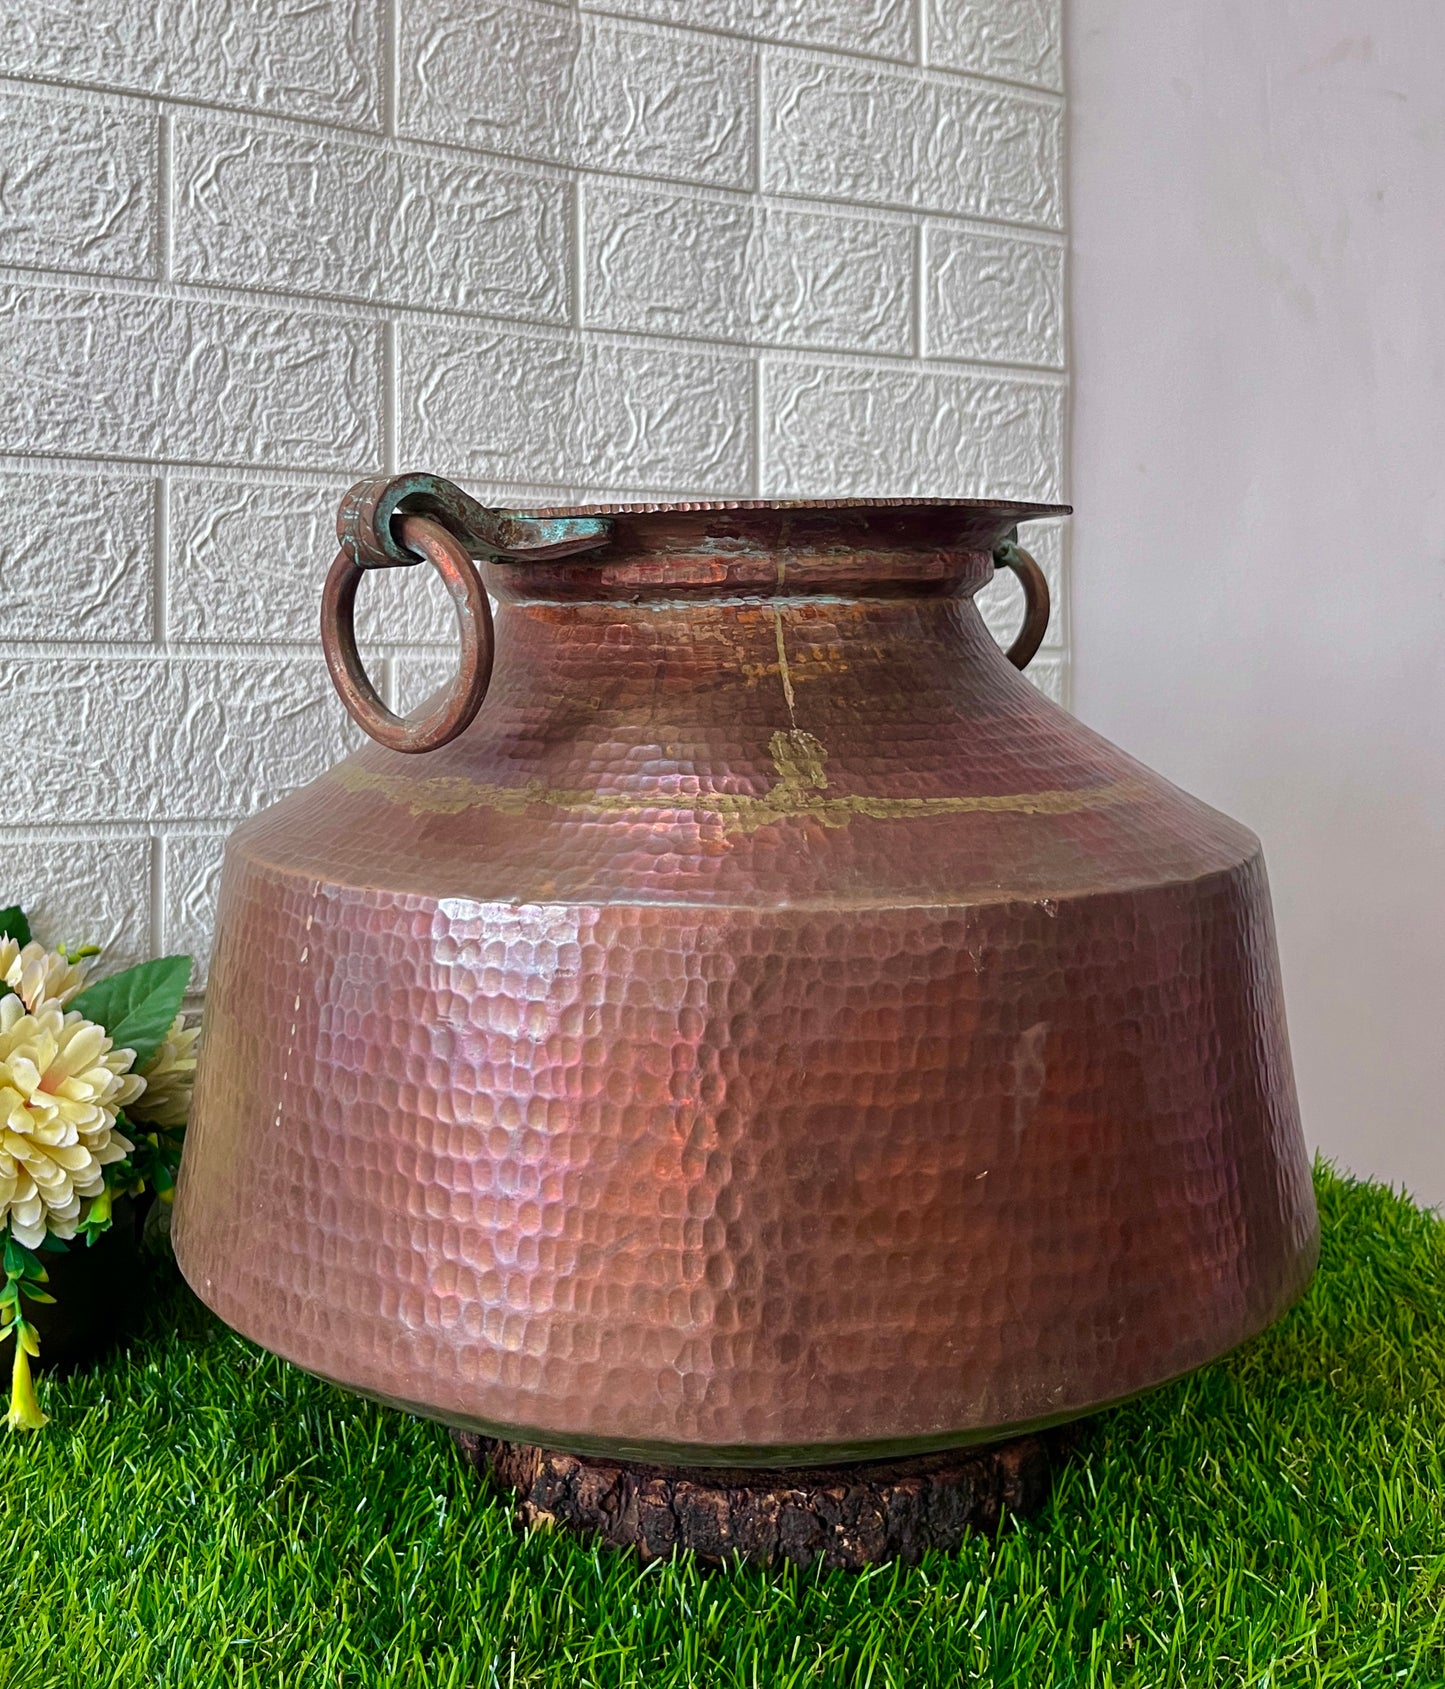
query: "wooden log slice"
852, 1516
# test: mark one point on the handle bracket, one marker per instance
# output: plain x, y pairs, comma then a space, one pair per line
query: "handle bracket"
395, 521
366, 523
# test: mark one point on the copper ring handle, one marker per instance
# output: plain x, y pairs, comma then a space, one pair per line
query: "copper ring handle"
419, 536
1036, 602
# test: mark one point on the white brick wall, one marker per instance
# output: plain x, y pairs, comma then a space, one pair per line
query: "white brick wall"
661, 248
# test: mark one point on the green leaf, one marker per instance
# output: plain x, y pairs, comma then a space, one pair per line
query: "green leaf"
17, 1257
120, 1174
136, 1007
52, 1245
14, 925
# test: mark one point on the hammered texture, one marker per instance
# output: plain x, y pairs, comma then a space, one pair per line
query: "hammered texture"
771, 1033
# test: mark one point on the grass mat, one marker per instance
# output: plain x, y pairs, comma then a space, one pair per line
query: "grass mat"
200, 1514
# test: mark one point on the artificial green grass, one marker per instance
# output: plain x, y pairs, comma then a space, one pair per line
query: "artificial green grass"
200, 1514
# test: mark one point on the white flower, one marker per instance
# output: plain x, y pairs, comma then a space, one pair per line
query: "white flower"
61, 1086
37, 973
169, 1077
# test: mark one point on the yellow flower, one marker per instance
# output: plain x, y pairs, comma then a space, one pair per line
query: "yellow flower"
25, 1414
38, 974
169, 1075
61, 1086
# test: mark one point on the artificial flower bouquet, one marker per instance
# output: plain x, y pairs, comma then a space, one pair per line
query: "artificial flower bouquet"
95, 1085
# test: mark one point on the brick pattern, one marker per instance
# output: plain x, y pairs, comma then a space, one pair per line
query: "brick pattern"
646, 249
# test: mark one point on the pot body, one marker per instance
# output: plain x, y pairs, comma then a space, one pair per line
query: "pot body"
771, 1032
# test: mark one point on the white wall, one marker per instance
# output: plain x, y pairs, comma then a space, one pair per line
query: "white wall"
249, 251
1257, 199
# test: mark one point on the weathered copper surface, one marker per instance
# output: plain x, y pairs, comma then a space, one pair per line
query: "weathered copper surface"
368, 524
771, 1032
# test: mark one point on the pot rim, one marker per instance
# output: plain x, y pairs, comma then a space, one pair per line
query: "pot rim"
1024, 509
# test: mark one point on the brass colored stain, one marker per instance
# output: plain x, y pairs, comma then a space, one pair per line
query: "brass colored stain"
800, 793
798, 758
824, 663
783, 674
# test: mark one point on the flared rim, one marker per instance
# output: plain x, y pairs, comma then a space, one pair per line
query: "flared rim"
1022, 508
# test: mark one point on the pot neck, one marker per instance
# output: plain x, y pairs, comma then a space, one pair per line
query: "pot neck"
799, 659
678, 554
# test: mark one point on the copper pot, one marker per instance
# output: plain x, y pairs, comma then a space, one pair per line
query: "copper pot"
767, 1031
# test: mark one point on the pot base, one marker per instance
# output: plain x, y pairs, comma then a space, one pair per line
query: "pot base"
852, 1516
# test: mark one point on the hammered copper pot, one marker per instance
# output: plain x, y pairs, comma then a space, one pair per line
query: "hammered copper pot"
762, 1029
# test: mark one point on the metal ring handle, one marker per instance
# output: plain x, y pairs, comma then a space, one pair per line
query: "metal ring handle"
419, 535
1011, 555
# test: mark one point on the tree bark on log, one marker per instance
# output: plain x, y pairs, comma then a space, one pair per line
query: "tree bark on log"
852, 1516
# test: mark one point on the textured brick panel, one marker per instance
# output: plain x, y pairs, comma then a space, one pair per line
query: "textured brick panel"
522, 105
77, 185
76, 556
306, 58
85, 372
142, 738
247, 563
663, 262
358, 221
883, 28
993, 298
511, 407
899, 138
578, 90
833, 429
192, 879
83, 890
665, 105
1019, 40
